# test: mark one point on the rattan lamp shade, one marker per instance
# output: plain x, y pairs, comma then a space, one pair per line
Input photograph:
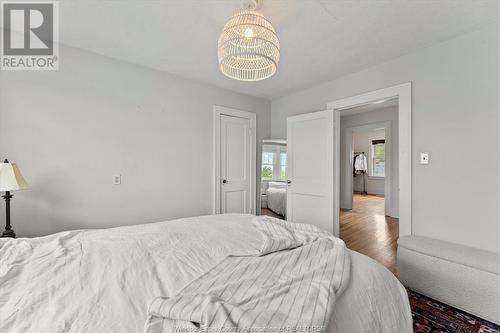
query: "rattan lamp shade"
249, 49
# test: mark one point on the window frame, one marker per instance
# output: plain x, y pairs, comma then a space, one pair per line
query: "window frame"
282, 150
276, 150
371, 158
264, 151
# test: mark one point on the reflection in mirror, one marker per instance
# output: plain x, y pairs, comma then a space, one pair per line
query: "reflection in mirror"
273, 182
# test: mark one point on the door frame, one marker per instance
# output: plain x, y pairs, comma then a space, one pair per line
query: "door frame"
218, 111
404, 94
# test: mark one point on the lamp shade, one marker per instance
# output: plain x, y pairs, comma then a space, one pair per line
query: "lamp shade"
249, 49
11, 178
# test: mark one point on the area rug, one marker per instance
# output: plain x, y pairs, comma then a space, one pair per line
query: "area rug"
430, 316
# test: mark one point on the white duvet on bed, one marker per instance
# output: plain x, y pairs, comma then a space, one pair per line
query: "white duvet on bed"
276, 197
293, 281
104, 280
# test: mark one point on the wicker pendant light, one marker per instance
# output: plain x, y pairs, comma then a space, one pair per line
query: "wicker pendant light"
249, 49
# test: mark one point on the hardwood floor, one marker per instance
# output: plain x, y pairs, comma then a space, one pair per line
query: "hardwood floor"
266, 211
367, 230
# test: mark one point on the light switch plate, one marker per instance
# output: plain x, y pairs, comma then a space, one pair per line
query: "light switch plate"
424, 158
117, 179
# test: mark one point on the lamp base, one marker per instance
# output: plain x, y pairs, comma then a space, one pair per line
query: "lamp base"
9, 233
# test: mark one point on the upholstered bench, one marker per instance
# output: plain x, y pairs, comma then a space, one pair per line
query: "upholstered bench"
460, 276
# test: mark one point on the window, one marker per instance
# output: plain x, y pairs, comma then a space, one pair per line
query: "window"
274, 162
377, 158
267, 165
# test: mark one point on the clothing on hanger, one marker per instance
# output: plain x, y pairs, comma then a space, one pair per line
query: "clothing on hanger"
360, 168
360, 164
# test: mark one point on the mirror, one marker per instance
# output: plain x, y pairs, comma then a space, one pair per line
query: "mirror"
273, 178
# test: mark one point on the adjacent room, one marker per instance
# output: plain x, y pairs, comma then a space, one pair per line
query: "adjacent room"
369, 175
250, 166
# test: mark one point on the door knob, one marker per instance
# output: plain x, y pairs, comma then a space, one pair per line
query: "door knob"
288, 182
224, 181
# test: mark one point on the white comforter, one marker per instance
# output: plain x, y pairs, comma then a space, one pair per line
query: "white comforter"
276, 200
292, 282
104, 280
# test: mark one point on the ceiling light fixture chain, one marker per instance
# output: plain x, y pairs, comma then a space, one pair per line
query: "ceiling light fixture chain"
251, 4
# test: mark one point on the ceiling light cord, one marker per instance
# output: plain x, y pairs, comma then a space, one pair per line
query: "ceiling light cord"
251, 4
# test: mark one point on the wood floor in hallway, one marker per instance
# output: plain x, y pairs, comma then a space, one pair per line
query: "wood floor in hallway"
268, 212
367, 230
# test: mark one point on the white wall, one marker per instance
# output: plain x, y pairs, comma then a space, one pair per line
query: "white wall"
361, 142
370, 120
456, 118
71, 130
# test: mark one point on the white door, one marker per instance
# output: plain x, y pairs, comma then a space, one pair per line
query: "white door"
310, 169
235, 177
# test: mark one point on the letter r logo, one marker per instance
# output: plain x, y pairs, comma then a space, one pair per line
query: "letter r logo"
28, 28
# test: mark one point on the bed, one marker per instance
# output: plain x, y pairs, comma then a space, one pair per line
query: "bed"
276, 197
106, 280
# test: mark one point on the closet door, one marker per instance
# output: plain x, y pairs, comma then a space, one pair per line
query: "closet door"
310, 169
235, 165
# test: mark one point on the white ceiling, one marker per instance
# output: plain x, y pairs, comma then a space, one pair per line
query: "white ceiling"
320, 39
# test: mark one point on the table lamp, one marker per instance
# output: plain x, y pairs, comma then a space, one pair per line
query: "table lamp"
10, 180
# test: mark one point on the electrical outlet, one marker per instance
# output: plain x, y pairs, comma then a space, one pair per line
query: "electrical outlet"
117, 179
424, 158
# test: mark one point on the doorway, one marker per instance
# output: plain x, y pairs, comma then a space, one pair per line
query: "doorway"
404, 192
368, 180
273, 178
234, 161
377, 240
314, 161
369, 149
